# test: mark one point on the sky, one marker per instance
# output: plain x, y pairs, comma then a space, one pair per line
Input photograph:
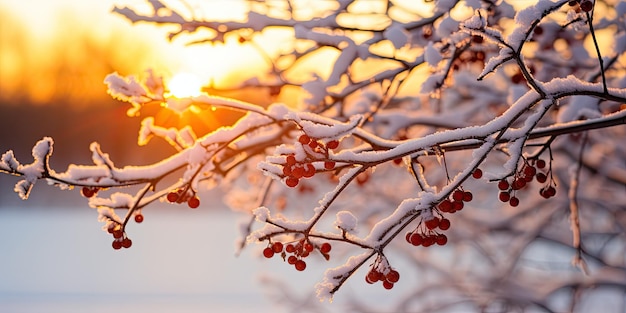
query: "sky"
87, 41
47, 48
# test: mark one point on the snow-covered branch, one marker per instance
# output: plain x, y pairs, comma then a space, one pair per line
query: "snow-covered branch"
379, 156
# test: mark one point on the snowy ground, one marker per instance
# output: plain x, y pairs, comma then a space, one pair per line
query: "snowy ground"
58, 260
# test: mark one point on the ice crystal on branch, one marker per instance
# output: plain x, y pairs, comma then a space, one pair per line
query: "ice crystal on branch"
444, 124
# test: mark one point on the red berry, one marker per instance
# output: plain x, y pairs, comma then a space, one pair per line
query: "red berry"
445, 205
432, 223
458, 195
444, 224
538, 30
530, 171
277, 247
118, 233
88, 192
504, 196
514, 201
416, 239
329, 165
292, 259
387, 285
393, 276
291, 159
304, 139
298, 171
503, 184
517, 78
467, 196
374, 276
300, 265
126, 243
441, 239
193, 202
287, 170
291, 181
542, 178
477, 39
313, 144
586, 6
138, 218
117, 244
428, 241
528, 179
333, 144
477, 174
172, 197
290, 248
309, 171
362, 178
268, 252
518, 184
457, 206
308, 247
541, 163
325, 248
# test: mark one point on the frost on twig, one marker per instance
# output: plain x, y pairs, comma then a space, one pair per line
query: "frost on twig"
30, 172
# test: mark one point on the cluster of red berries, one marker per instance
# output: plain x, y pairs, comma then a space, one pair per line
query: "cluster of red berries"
456, 201
119, 237
295, 170
548, 190
585, 5
381, 271
184, 195
425, 233
529, 171
298, 250
89, 192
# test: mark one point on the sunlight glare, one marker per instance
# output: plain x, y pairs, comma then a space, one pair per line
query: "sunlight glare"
184, 85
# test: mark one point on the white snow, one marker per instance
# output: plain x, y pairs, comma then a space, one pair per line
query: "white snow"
9, 163
333, 276
346, 221
117, 200
398, 36
580, 107
474, 4
447, 26
126, 89
432, 55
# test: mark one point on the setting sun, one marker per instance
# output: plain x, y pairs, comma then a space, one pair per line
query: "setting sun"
185, 85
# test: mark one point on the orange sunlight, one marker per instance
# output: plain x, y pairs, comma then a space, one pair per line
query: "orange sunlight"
60, 52
184, 85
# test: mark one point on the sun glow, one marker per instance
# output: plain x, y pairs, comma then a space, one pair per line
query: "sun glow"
184, 85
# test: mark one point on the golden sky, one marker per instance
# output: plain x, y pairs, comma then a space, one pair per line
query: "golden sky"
62, 49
